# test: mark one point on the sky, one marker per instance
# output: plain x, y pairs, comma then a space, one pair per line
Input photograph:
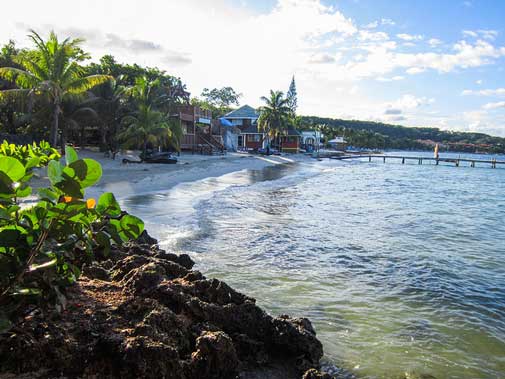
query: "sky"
408, 62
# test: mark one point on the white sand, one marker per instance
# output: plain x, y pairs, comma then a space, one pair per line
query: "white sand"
125, 180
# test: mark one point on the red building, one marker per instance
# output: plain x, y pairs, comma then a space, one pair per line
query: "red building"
201, 133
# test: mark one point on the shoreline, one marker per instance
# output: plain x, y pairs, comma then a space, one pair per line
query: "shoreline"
125, 180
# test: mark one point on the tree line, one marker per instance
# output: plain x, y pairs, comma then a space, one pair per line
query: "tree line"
48, 92
377, 135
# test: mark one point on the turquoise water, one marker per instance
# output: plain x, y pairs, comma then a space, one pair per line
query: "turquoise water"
401, 268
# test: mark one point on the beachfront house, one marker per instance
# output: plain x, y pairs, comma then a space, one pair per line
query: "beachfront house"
200, 133
310, 140
338, 143
241, 129
241, 132
290, 142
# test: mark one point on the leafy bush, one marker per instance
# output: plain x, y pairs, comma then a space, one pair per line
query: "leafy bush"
34, 155
43, 247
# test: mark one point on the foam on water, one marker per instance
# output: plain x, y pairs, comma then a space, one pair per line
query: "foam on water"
400, 267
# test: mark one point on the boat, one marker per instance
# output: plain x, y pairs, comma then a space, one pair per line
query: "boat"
156, 157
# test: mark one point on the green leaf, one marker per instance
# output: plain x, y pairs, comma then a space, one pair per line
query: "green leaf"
132, 226
88, 171
107, 204
6, 184
32, 162
54, 172
24, 192
13, 168
46, 193
71, 187
70, 155
11, 237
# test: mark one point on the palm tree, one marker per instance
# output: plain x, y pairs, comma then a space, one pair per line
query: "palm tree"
147, 126
147, 123
110, 104
275, 116
52, 71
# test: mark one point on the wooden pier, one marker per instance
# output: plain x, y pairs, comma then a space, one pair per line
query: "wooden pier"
420, 160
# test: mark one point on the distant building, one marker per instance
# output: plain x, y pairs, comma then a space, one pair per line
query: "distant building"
310, 140
200, 133
241, 132
338, 143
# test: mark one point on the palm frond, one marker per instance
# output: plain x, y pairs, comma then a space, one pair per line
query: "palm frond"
86, 83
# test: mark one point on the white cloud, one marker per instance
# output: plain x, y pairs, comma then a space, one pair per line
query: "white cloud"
411, 102
333, 59
470, 33
365, 35
479, 82
482, 33
489, 106
372, 25
485, 92
392, 79
322, 58
387, 21
410, 37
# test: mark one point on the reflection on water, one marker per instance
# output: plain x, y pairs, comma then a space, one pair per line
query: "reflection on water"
400, 267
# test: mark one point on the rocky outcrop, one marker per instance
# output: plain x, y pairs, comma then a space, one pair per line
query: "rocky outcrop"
143, 313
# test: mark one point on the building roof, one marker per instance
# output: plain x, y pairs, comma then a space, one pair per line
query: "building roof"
293, 132
245, 111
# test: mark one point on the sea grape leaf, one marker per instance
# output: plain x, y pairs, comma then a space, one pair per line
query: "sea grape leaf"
70, 155
32, 162
132, 226
13, 168
6, 184
54, 172
107, 204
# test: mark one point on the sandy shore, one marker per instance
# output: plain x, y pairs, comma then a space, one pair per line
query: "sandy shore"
125, 180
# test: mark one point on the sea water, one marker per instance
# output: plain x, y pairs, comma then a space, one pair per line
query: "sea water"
401, 268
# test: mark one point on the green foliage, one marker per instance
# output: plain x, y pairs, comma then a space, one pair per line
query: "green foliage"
275, 116
148, 124
30, 156
50, 71
218, 100
42, 247
379, 135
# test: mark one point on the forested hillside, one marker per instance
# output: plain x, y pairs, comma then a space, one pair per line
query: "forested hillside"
380, 135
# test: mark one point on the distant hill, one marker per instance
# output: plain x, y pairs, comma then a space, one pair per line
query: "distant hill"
381, 135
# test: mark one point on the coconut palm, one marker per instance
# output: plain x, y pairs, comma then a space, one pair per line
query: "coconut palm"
147, 126
275, 115
52, 71
111, 106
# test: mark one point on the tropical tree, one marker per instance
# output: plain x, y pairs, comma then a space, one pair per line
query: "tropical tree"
148, 126
52, 71
292, 96
111, 107
275, 115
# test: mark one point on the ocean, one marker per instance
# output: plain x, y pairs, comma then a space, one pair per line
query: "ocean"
401, 268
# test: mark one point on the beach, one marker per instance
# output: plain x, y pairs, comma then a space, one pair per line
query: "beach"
131, 179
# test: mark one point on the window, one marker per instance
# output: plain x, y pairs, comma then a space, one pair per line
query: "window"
254, 137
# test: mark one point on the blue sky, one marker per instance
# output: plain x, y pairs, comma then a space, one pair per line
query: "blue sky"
415, 63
